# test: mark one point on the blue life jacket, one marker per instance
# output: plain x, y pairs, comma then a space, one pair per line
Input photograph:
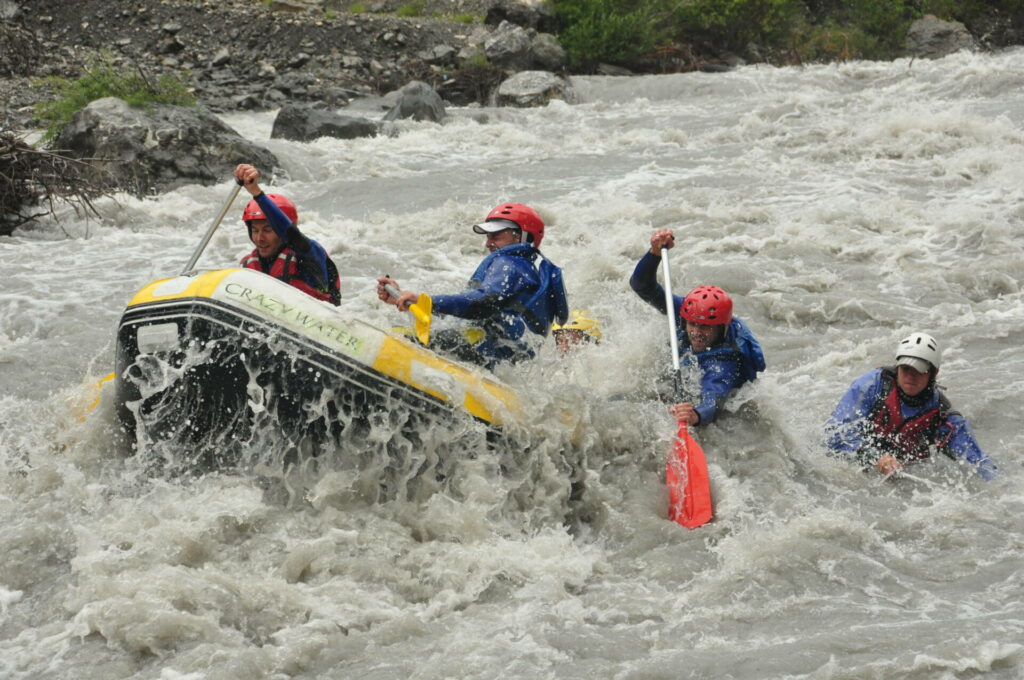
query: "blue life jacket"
739, 346
726, 366
508, 296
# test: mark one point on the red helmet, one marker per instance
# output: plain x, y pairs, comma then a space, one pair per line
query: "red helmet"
253, 211
707, 305
523, 215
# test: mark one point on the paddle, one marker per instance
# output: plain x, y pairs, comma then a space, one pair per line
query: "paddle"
686, 471
213, 227
421, 310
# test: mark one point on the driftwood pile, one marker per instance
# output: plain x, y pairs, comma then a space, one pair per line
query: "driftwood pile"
35, 182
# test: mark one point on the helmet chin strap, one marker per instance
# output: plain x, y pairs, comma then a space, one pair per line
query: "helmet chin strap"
921, 397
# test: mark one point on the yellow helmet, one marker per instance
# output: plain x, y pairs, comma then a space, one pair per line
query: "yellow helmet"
580, 320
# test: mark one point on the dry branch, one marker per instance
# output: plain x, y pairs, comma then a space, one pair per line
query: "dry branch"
32, 181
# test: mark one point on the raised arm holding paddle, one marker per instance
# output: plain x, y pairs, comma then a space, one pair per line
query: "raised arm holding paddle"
282, 251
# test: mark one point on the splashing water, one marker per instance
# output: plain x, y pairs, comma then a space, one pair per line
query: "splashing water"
842, 206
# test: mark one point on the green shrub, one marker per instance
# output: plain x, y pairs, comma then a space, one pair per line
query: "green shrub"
809, 30
870, 29
102, 79
357, 8
615, 31
831, 42
734, 24
467, 18
885, 21
412, 9
478, 60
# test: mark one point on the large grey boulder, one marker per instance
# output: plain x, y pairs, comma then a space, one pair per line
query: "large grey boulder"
515, 48
304, 124
532, 88
419, 101
933, 38
159, 150
510, 47
548, 53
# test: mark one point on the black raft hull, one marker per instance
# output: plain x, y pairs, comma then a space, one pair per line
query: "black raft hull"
233, 368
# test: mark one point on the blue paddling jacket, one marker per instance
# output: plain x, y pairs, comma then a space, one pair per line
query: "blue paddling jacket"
510, 297
725, 366
873, 419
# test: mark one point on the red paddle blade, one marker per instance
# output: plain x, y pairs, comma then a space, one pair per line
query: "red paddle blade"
686, 474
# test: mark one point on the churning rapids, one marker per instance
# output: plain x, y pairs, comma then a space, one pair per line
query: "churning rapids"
843, 207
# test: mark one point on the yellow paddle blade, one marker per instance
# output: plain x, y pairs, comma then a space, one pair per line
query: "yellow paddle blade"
80, 408
421, 310
473, 334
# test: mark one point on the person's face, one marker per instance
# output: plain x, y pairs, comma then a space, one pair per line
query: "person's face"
703, 335
265, 238
568, 339
500, 239
910, 381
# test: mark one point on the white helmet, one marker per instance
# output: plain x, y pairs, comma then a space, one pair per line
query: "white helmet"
920, 351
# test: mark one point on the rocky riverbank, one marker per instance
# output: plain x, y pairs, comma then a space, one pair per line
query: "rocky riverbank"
250, 54
259, 54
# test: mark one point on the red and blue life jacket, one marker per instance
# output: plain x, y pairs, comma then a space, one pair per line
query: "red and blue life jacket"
908, 439
288, 266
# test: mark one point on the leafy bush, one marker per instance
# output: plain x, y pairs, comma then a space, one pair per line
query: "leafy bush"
620, 31
616, 31
357, 8
883, 23
831, 42
102, 79
734, 24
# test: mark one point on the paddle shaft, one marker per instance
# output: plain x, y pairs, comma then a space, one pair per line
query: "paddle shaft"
902, 474
213, 227
689, 496
415, 308
670, 312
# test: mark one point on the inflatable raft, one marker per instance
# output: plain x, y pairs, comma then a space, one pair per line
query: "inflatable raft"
222, 363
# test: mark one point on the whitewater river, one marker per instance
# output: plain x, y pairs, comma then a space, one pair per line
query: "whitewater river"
842, 206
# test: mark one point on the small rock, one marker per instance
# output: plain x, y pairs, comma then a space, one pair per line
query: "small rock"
291, 6
222, 57
613, 70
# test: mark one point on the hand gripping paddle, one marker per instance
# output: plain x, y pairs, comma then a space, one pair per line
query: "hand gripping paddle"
420, 310
686, 471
